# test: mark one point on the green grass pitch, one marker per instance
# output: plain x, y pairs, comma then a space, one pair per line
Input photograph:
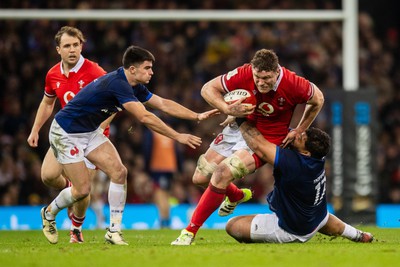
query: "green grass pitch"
212, 248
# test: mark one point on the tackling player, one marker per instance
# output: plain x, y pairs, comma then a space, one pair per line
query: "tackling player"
75, 134
63, 82
298, 200
278, 92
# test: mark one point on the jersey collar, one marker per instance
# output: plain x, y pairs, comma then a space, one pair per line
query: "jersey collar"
278, 81
76, 67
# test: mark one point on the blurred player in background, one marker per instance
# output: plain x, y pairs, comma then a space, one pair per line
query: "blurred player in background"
63, 82
75, 134
298, 200
278, 91
162, 163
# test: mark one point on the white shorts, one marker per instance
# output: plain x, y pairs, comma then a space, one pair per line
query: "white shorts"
72, 148
229, 141
265, 229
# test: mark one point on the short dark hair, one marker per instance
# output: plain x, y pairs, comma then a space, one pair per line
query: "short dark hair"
318, 142
71, 31
136, 55
265, 60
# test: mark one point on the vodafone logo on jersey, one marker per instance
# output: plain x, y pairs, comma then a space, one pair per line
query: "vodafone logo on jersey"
265, 108
68, 96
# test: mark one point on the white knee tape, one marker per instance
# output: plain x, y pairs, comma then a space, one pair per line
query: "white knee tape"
206, 168
236, 166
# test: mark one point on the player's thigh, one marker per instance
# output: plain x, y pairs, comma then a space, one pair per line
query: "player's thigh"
213, 156
106, 158
78, 174
51, 168
239, 227
265, 229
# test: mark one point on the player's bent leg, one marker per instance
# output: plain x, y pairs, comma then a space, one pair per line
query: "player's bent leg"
77, 220
51, 172
336, 227
239, 228
235, 167
106, 158
206, 165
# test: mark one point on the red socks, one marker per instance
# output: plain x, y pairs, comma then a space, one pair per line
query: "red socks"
234, 193
76, 221
209, 202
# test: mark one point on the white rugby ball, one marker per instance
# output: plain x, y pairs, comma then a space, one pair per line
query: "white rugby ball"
237, 94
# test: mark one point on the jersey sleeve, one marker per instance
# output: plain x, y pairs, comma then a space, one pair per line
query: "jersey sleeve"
123, 92
97, 71
239, 78
286, 161
48, 90
303, 88
142, 93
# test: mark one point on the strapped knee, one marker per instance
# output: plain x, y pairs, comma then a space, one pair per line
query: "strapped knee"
236, 166
206, 168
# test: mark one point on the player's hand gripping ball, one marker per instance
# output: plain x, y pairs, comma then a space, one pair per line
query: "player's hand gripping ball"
237, 94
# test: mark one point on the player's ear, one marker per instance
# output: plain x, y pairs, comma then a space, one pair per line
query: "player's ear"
132, 69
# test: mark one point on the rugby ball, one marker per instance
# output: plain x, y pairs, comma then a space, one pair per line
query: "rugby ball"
237, 94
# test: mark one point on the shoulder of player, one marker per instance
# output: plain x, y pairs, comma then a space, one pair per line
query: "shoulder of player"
241, 76
88, 64
290, 77
56, 69
289, 158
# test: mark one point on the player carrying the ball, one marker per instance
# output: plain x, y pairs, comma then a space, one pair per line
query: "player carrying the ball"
278, 91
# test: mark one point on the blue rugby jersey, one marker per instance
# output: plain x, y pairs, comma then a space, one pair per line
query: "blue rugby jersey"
298, 197
98, 101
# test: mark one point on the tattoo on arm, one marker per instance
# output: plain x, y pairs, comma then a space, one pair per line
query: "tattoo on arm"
249, 134
252, 137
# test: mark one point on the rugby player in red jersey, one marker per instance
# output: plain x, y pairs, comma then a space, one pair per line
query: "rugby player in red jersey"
278, 92
63, 81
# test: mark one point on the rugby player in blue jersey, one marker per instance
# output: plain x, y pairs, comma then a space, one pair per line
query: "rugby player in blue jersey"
298, 200
75, 133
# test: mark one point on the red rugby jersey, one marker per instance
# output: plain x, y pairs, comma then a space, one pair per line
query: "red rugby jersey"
274, 109
65, 88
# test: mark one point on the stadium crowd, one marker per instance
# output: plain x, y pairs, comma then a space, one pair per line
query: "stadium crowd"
187, 55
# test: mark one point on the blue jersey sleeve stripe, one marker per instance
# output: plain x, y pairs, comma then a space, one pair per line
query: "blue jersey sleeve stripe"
277, 156
149, 96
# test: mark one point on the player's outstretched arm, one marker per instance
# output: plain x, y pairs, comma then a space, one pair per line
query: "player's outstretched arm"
175, 109
156, 124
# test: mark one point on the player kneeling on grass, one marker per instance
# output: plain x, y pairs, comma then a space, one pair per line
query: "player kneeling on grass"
298, 199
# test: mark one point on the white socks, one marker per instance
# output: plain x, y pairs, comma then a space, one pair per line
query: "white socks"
349, 232
116, 200
63, 200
